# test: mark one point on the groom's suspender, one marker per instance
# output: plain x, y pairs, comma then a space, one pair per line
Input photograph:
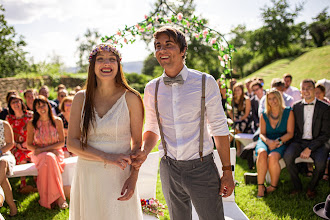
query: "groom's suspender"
201, 138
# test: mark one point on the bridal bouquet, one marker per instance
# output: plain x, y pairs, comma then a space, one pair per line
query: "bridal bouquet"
152, 207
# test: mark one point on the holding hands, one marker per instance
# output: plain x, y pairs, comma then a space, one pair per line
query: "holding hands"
120, 160
138, 157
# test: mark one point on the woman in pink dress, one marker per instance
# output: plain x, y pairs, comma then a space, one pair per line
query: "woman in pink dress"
18, 118
45, 138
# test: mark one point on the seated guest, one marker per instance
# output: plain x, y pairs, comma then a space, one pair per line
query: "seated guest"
65, 108
320, 93
258, 92
240, 114
61, 94
29, 96
45, 139
7, 163
223, 92
312, 132
276, 128
4, 111
60, 87
77, 88
18, 118
249, 91
278, 84
290, 90
44, 90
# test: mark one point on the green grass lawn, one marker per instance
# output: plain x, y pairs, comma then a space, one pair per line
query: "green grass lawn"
278, 205
313, 64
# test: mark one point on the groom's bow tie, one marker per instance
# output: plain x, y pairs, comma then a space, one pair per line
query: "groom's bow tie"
169, 81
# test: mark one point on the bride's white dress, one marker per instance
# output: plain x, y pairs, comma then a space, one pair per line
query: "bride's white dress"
96, 187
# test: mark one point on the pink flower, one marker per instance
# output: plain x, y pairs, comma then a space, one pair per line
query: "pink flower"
222, 63
197, 36
180, 16
222, 49
146, 16
188, 24
220, 58
110, 41
142, 29
115, 42
118, 33
157, 17
169, 20
149, 26
125, 40
226, 57
213, 41
137, 26
205, 32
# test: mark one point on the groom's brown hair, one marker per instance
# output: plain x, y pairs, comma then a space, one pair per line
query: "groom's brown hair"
177, 36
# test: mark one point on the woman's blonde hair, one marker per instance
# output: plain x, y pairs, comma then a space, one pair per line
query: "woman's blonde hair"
281, 105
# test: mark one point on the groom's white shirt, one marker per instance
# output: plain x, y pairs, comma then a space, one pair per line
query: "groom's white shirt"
179, 108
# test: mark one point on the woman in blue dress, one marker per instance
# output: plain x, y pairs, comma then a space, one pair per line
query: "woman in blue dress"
276, 128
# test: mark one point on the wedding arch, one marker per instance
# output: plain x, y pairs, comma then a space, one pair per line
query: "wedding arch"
193, 25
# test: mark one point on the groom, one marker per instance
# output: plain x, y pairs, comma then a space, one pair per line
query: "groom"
175, 114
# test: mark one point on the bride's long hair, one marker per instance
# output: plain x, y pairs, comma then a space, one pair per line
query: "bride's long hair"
90, 86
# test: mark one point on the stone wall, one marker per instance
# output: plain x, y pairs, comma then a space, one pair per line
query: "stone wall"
20, 84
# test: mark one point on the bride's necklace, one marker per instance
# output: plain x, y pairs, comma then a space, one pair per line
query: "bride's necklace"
273, 117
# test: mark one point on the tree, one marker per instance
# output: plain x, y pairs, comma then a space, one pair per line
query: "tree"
12, 56
320, 28
86, 44
276, 31
149, 65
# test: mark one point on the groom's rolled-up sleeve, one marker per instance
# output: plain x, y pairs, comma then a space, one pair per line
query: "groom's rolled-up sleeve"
151, 123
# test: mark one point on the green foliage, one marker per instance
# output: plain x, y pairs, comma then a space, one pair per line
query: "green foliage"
242, 57
320, 28
86, 44
312, 64
149, 65
276, 31
137, 81
12, 56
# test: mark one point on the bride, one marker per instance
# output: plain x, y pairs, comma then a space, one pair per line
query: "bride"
105, 127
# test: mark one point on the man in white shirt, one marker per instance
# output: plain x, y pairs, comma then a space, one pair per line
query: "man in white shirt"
290, 90
312, 132
187, 170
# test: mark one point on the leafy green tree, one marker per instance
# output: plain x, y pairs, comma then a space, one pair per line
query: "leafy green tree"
320, 28
149, 65
276, 31
86, 44
12, 56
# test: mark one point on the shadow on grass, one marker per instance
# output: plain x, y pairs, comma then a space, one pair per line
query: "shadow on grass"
279, 204
28, 205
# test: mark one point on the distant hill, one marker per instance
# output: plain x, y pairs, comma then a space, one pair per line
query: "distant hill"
133, 67
129, 67
314, 64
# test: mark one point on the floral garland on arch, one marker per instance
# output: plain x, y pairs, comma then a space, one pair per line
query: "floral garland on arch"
186, 25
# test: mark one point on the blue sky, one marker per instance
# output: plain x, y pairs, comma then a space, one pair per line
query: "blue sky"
51, 26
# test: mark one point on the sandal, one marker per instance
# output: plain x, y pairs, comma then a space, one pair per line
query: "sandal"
265, 190
275, 187
64, 205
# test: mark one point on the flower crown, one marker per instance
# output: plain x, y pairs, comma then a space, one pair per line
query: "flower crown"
102, 47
